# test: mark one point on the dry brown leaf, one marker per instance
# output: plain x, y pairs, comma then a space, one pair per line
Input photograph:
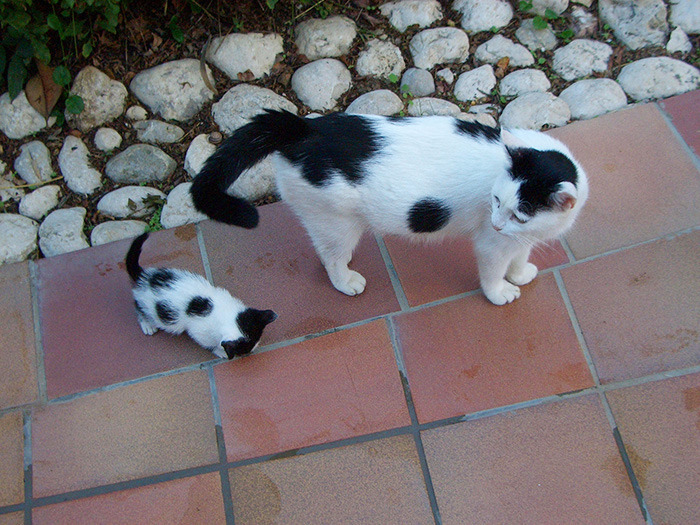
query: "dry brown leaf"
502, 67
42, 92
246, 76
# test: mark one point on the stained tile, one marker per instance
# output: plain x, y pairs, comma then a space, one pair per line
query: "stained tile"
684, 111
18, 356
12, 464
530, 466
89, 330
638, 309
469, 355
195, 500
642, 183
660, 427
332, 387
432, 271
373, 482
275, 266
12, 518
133, 431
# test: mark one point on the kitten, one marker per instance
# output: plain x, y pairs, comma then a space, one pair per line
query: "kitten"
178, 301
424, 178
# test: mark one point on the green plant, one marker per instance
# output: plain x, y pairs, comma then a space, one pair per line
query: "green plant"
393, 78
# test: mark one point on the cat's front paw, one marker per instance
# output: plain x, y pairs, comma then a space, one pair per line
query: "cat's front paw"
352, 283
503, 293
522, 275
147, 328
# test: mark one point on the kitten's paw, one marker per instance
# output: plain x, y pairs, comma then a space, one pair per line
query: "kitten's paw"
147, 328
503, 293
352, 284
522, 275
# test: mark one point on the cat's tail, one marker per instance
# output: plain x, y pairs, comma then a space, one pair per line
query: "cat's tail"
266, 133
133, 267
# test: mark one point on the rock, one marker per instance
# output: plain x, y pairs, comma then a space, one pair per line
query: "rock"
256, 182
320, 84
199, 151
33, 164
405, 13
593, 97
581, 58
583, 23
636, 23
536, 39
679, 42
658, 77
111, 231
421, 107
243, 102
417, 82
62, 232
179, 208
8, 185
107, 139
140, 163
75, 167
379, 102
524, 81
17, 237
158, 132
481, 118
40, 202
446, 74
534, 111
482, 15
380, 59
240, 52
439, 46
329, 38
136, 113
104, 99
130, 202
475, 84
499, 47
18, 119
686, 15
540, 7
587, 3
174, 90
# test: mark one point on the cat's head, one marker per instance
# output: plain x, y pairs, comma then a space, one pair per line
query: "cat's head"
250, 324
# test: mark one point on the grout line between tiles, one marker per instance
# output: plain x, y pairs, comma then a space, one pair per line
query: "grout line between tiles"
567, 249
38, 343
203, 253
393, 274
221, 445
686, 147
633, 477
28, 472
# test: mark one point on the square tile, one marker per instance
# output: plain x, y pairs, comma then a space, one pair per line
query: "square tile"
374, 482
97, 340
133, 431
660, 426
12, 464
18, 357
275, 266
684, 111
643, 183
195, 500
638, 309
469, 355
12, 518
333, 387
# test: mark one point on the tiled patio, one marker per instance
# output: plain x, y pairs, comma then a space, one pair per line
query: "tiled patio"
416, 402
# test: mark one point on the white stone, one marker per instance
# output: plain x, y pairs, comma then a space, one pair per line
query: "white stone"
658, 77
524, 81
380, 59
679, 42
136, 113
417, 82
318, 38
405, 13
256, 182
499, 47
534, 111
686, 15
179, 208
104, 99
586, 3
140, 163
174, 90
439, 46
482, 15
40, 202
240, 52
75, 167
593, 97
636, 23
421, 107
130, 202
446, 74
242, 102
379, 102
8, 185
107, 139
475, 84
62, 232
583, 23
111, 231
581, 58
536, 39
321, 83
481, 118
33, 164
540, 7
18, 119
17, 237
199, 151
158, 132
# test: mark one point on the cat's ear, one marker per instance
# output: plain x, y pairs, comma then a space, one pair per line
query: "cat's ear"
564, 199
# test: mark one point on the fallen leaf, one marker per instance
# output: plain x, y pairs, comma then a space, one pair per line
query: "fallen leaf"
502, 67
42, 92
246, 76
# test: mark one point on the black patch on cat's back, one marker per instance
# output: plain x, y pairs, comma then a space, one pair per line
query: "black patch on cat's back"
166, 312
478, 131
161, 278
199, 306
428, 215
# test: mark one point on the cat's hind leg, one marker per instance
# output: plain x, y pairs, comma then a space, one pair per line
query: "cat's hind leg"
148, 327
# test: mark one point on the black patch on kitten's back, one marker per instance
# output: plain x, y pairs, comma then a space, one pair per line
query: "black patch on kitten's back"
478, 131
162, 278
166, 312
199, 306
428, 215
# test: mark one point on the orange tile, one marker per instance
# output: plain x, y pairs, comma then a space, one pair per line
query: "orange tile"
684, 111
12, 464
195, 500
13, 518
374, 482
133, 431
638, 309
643, 184
551, 463
333, 387
660, 426
18, 356
469, 355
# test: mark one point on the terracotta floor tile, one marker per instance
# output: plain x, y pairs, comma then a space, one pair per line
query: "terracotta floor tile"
129, 432
660, 425
429, 272
643, 184
18, 356
275, 266
554, 463
13, 518
374, 482
684, 111
195, 500
89, 330
638, 309
12, 464
469, 355
333, 387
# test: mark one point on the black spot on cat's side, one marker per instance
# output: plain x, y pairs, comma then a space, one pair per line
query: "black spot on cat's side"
139, 308
161, 278
199, 306
166, 313
478, 131
428, 215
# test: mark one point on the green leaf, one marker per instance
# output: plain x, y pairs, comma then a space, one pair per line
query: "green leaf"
539, 23
566, 35
523, 5
24, 49
541, 60
271, 4
74, 104
16, 75
550, 14
175, 30
18, 19
61, 76
393, 78
87, 49
3, 58
41, 51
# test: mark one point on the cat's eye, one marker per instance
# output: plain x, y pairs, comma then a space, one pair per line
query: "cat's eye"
497, 201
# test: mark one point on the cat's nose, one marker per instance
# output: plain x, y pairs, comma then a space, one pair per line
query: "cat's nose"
497, 227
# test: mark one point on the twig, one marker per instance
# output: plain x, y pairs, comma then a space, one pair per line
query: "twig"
30, 185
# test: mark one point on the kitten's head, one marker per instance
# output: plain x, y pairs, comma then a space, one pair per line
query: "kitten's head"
250, 323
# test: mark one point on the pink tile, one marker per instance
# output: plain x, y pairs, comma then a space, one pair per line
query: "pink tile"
12, 464
684, 111
469, 355
333, 387
13, 518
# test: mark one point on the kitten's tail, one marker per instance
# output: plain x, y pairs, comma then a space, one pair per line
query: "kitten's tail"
133, 267
266, 133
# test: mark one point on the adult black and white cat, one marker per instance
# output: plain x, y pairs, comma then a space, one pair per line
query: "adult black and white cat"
423, 177
178, 301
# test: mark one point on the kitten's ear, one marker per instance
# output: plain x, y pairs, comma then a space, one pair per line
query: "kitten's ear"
564, 198
263, 317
